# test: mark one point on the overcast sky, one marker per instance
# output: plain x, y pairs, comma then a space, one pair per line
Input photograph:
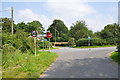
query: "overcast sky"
96, 14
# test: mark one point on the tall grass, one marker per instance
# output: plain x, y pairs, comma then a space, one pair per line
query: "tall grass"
18, 65
116, 57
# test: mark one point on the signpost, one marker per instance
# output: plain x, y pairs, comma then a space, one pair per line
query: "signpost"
34, 34
49, 35
44, 42
89, 38
41, 35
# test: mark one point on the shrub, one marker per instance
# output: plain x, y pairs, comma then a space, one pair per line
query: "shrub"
98, 42
115, 56
19, 40
71, 42
9, 53
82, 42
93, 42
118, 45
8, 48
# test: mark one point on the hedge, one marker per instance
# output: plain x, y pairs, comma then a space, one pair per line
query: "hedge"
93, 42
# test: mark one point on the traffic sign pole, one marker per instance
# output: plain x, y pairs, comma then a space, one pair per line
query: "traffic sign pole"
89, 38
49, 35
49, 44
34, 34
89, 43
35, 45
43, 42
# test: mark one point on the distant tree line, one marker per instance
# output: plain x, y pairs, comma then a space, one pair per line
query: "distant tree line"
79, 32
76, 36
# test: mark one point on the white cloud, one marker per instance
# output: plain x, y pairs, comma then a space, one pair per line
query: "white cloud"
28, 15
71, 10
98, 22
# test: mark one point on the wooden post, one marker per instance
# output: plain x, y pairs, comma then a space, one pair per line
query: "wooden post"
12, 19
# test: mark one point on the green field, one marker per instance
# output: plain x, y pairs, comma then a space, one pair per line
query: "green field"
115, 57
96, 46
27, 65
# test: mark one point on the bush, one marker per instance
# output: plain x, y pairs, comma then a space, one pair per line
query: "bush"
71, 42
115, 56
118, 45
8, 48
8, 57
19, 40
98, 42
82, 42
93, 42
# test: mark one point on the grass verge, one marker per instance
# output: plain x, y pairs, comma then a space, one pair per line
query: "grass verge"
96, 46
48, 49
27, 65
115, 57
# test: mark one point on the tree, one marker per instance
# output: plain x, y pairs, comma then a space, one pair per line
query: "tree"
79, 30
34, 25
6, 24
110, 33
61, 30
97, 34
22, 26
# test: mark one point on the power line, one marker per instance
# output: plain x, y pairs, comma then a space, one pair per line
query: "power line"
21, 15
4, 10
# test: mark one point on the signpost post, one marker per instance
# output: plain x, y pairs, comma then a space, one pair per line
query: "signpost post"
89, 38
49, 35
34, 34
44, 42
35, 45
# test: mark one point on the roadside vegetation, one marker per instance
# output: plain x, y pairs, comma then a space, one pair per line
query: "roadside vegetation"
18, 65
115, 56
18, 58
96, 46
48, 49
78, 33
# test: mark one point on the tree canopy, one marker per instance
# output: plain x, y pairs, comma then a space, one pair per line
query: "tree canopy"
61, 30
79, 30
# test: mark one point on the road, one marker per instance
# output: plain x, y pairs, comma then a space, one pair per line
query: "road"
82, 63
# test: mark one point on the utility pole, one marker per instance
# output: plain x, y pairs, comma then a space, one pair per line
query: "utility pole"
12, 19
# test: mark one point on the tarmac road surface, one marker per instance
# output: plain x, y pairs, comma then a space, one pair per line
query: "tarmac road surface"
82, 63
